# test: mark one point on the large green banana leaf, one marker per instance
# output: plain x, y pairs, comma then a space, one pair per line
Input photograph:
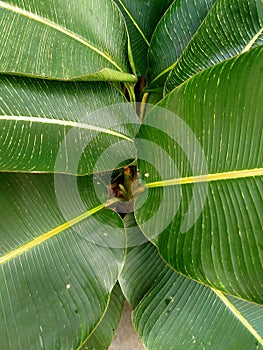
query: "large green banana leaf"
141, 18
193, 36
66, 40
200, 154
200, 165
174, 312
55, 276
41, 120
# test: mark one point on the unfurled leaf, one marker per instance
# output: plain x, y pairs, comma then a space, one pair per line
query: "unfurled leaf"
56, 273
172, 35
104, 333
68, 40
230, 28
174, 312
200, 156
51, 126
193, 36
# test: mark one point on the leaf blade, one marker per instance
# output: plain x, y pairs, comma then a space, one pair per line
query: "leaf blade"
173, 311
37, 29
229, 30
210, 230
141, 18
61, 286
50, 117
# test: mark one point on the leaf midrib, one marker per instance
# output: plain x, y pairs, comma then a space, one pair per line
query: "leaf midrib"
83, 126
59, 28
169, 68
228, 175
136, 25
50, 234
238, 315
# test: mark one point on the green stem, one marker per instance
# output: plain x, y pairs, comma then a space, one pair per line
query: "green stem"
130, 89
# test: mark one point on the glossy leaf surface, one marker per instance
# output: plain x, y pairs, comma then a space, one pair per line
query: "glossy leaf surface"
173, 34
193, 36
230, 28
41, 121
64, 40
174, 312
56, 274
203, 171
141, 18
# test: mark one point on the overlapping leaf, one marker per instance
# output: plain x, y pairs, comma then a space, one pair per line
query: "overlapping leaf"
104, 333
172, 35
63, 127
141, 18
193, 36
61, 250
204, 172
64, 40
56, 276
230, 28
173, 312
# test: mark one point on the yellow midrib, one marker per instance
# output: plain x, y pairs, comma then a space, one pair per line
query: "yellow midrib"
134, 23
38, 240
238, 315
230, 175
57, 27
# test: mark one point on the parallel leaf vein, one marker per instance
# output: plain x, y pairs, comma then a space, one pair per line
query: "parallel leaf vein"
134, 23
44, 237
64, 123
240, 317
57, 27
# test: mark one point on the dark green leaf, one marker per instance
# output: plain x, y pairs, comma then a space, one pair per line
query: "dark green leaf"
141, 18
104, 333
174, 312
204, 171
56, 272
230, 28
172, 35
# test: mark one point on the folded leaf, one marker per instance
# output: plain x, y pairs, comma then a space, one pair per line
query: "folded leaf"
230, 28
141, 18
172, 35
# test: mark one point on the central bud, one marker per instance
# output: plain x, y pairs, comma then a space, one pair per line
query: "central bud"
123, 183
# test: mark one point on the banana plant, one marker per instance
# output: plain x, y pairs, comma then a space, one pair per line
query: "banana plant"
131, 166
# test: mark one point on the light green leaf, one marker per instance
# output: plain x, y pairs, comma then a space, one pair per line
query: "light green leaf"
200, 156
174, 312
230, 28
104, 333
49, 126
66, 40
141, 18
56, 274
253, 313
173, 34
